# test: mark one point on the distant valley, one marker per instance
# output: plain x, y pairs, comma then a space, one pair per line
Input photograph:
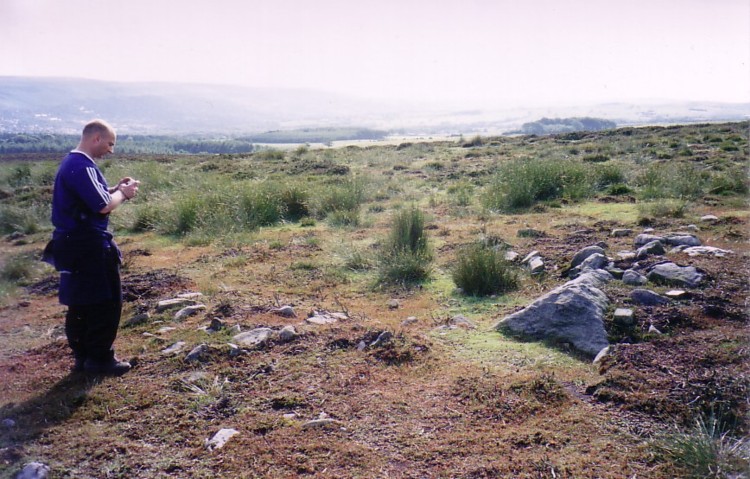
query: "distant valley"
62, 105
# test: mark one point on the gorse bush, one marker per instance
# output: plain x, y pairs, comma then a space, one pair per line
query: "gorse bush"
406, 256
482, 271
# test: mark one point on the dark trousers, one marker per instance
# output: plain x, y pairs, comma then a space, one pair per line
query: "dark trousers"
92, 328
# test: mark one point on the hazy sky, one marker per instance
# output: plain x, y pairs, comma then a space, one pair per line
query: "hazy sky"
472, 52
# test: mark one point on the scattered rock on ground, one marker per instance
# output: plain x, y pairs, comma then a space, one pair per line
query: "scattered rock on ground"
678, 239
536, 265
644, 239
382, 338
138, 319
529, 257
700, 250
673, 274
393, 304
254, 338
677, 294
176, 348
409, 321
220, 438
190, 295
33, 470
173, 303
620, 232
581, 255
188, 311
650, 249
324, 317
461, 321
572, 313
634, 278
287, 334
216, 325
647, 297
511, 256
197, 353
285, 311
709, 218
624, 317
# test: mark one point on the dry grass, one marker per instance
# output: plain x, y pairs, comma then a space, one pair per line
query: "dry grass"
432, 402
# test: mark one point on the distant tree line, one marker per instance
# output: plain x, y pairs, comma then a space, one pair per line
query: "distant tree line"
549, 126
14, 143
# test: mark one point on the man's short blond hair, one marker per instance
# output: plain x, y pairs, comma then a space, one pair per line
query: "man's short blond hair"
97, 126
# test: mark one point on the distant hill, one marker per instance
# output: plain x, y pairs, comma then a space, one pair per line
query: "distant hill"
63, 105
548, 126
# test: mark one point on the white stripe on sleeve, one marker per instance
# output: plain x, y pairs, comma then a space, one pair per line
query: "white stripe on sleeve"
100, 188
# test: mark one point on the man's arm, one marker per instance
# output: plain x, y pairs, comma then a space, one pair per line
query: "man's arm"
124, 191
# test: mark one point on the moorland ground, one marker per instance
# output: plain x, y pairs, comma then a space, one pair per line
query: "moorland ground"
311, 228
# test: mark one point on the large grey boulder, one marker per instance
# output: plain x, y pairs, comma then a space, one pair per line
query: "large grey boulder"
571, 313
675, 275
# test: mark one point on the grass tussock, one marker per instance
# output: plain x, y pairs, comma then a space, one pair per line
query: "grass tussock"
406, 255
483, 271
707, 450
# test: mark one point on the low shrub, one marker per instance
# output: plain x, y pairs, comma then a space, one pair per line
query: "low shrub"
406, 256
483, 271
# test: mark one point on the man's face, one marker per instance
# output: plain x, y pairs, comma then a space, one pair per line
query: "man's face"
105, 144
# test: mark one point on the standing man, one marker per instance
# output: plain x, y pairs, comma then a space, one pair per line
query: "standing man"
85, 254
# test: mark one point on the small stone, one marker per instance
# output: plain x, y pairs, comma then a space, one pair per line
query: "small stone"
678, 239
235, 329
624, 317
709, 218
254, 338
652, 248
701, 250
393, 304
652, 329
633, 278
530, 256
601, 355
216, 325
189, 295
316, 423
321, 319
461, 321
189, 311
361, 346
173, 304
647, 298
536, 265
287, 334
677, 294
234, 350
197, 353
220, 438
382, 338
165, 329
619, 233
409, 321
626, 255
285, 311
644, 239
692, 228
176, 348
24, 303
648, 230
511, 256
138, 319
9, 423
